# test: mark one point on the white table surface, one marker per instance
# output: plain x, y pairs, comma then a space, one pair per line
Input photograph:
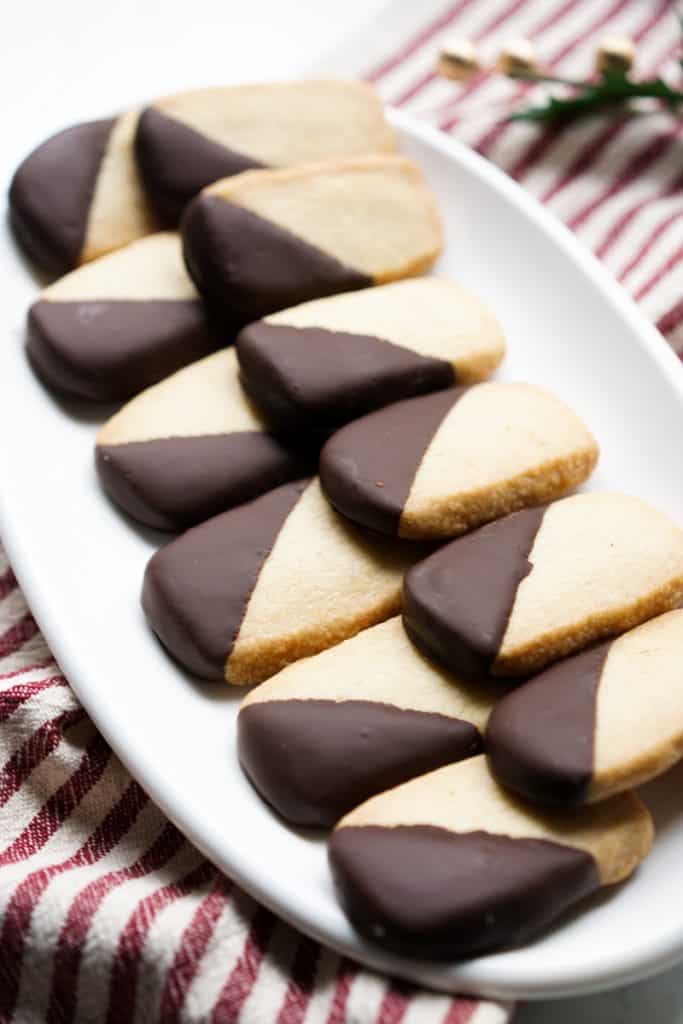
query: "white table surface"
139, 46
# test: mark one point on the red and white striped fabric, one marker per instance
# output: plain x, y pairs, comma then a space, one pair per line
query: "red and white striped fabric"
109, 916
617, 182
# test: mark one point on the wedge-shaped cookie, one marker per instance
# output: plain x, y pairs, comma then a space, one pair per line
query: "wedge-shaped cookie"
192, 446
529, 589
187, 141
326, 362
451, 865
265, 240
274, 580
332, 730
111, 328
595, 724
79, 195
439, 465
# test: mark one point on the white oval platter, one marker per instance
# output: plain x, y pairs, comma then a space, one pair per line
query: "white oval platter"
570, 327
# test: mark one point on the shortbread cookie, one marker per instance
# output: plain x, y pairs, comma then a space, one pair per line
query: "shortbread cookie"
451, 865
265, 240
79, 195
332, 730
191, 447
326, 362
521, 593
111, 328
269, 582
439, 465
187, 141
595, 724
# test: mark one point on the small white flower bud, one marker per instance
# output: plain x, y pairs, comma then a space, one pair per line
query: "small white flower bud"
615, 53
458, 59
518, 59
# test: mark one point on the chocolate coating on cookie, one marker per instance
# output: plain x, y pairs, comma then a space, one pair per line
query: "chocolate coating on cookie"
311, 581
457, 602
171, 483
368, 467
192, 446
597, 723
601, 564
318, 378
540, 738
51, 193
248, 266
107, 350
428, 892
190, 139
450, 864
369, 713
498, 447
196, 588
176, 162
313, 760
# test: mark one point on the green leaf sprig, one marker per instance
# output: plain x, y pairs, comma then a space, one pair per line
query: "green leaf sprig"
612, 88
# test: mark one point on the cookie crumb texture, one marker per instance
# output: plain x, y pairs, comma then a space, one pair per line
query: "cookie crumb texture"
536, 586
277, 579
451, 461
266, 240
330, 731
596, 724
79, 195
187, 141
192, 446
450, 866
119, 324
321, 364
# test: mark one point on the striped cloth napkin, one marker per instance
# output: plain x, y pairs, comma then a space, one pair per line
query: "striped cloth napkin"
107, 914
616, 181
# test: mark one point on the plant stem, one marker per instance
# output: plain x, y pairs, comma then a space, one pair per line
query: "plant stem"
611, 90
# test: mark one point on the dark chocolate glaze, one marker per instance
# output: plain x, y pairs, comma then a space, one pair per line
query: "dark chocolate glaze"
196, 589
51, 193
428, 892
249, 266
314, 760
320, 379
112, 349
368, 467
176, 162
541, 737
174, 482
458, 601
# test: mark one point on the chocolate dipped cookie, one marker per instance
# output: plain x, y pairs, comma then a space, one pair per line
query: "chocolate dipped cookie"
450, 865
265, 240
111, 328
79, 195
187, 141
330, 731
436, 466
277, 579
597, 723
529, 589
318, 365
192, 446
